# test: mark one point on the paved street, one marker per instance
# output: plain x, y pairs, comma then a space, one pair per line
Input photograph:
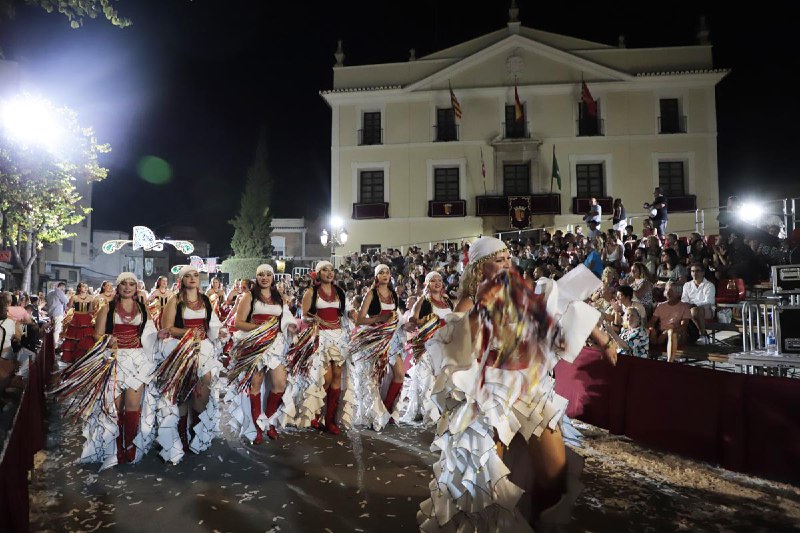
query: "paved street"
365, 481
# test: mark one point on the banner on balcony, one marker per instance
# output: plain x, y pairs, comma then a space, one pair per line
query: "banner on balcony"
519, 211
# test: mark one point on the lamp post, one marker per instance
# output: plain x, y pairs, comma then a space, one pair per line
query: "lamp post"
336, 237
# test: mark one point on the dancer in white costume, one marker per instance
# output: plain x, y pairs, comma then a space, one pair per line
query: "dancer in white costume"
260, 351
503, 464
119, 415
319, 357
416, 396
188, 376
379, 343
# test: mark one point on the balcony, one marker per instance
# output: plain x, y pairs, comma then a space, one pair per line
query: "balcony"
516, 130
367, 137
672, 124
541, 204
446, 209
445, 132
580, 205
369, 211
590, 127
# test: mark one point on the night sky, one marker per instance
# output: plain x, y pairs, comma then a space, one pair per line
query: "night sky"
193, 83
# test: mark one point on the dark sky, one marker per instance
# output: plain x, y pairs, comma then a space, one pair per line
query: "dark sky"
192, 83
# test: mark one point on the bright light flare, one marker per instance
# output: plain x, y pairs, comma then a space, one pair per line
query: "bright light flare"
750, 212
336, 222
31, 121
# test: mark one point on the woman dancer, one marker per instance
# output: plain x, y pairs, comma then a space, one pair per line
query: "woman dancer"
158, 298
79, 332
263, 325
374, 347
110, 386
104, 295
319, 356
428, 314
216, 294
496, 354
187, 378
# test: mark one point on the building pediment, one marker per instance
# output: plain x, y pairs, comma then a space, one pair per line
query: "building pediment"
519, 58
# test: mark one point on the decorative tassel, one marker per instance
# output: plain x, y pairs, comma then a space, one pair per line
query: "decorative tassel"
84, 382
247, 352
430, 324
176, 376
298, 358
373, 342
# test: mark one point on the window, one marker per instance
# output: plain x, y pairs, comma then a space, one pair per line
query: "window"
517, 179
58, 274
84, 248
670, 119
66, 246
371, 128
73, 276
588, 125
445, 184
371, 187
671, 178
515, 129
446, 129
589, 180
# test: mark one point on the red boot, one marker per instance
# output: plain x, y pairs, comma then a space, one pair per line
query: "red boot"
315, 422
273, 401
120, 438
131, 429
330, 413
183, 427
391, 395
255, 412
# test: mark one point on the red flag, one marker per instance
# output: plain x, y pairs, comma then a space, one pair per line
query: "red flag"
586, 98
518, 114
454, 103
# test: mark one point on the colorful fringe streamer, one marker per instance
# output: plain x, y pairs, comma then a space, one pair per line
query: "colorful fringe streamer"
65, 322
177, 374
298, 358
430, 324
373, 343
84, 382
247, 352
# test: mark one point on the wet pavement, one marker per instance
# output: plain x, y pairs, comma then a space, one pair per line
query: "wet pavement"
368, 481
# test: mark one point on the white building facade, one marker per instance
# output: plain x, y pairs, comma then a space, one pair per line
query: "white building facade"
406, 169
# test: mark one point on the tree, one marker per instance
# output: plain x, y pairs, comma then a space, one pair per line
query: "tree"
75, 10
38, 198
253, 224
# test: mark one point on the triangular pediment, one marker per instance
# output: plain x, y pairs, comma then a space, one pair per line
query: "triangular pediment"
516, 57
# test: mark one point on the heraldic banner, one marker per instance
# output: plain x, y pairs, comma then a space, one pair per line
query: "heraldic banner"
519, 211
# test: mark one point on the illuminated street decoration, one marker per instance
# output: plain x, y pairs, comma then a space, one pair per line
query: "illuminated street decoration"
195, 261
144, 238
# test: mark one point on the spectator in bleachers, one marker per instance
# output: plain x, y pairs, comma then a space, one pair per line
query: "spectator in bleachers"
641, 282
629, 319
700, 294
671, 268
668, 326
742, 259
593, 261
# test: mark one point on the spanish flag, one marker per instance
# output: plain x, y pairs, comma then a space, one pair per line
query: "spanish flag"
518, 113
454, 103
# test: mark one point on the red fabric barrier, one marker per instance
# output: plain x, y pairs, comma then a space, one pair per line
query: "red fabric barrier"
743, 423
27, 437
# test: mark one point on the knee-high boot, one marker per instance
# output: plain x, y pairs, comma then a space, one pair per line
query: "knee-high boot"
121, 438
330, 413
273, 401
131, 429
391, 395
255, 412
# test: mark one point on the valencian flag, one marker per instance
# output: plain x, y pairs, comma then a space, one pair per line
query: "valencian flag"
588, 101
556, 175
454, 103
518, 114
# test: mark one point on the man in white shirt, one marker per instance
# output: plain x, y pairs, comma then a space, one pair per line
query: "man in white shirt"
595, 212
701, 295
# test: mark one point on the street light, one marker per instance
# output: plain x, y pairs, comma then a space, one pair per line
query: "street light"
31, 120
337, 236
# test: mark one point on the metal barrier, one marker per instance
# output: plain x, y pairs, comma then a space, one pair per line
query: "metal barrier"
758, 319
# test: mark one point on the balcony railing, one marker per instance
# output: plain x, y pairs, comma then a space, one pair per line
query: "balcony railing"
370, 136
448, 208
516, 130
590, 127
541, 204
682, 204
675, 124
445, 132
366, 211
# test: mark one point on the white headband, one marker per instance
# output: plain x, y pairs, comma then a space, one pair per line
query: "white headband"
126, 275
484, 247
265, 268
432, 274
185, 270
381, 267
323, 264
